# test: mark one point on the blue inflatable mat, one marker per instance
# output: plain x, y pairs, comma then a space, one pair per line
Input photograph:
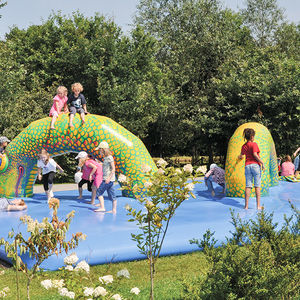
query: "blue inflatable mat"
109, 236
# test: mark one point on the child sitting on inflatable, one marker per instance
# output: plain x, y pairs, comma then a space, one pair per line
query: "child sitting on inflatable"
217, 175
3, 143
10, 205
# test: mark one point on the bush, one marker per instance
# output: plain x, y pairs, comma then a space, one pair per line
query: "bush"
258, 262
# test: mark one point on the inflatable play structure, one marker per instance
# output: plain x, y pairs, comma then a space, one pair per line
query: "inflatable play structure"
235, 168
18, 168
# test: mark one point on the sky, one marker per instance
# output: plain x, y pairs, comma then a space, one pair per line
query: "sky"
24, 13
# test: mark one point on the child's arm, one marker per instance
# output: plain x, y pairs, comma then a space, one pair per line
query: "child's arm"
296, 152
56, 106
40, 174
240, 156
66, 109
84, 107
259, 160
93, 171
59, 168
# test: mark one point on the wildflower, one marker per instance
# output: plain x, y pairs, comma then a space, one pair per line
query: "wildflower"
161, 163
201, 169
100, 291
149, 204
178, 171
148, 184
161, 171
58, 283
71, 259
106, 279
127, 206
2, 272
2, 294
6, 289
69, 268
63, 291
123, 273
53, 203
83, 265
47, 284
116, 297
122, 178
146, 169
188, 168
88, 291
71, 295
190, 186
135, 290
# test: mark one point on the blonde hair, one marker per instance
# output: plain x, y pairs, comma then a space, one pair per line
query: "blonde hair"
107, 151
44, 152
287, 158
61, 89
82, 160
77, 85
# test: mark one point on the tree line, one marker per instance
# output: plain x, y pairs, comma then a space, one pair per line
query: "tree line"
184, 78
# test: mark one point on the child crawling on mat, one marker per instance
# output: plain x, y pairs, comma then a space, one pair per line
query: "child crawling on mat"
10, 205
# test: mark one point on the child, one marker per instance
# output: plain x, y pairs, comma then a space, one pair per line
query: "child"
108, 178
47, 166
287, 167
3, 144
59, 102
91, 174
297, 162
252, 166
77, 103
10, 205
217, 175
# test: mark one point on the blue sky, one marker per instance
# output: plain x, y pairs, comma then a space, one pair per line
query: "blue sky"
24, 13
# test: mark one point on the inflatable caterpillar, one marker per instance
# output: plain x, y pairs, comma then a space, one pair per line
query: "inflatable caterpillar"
18, 168
235, 168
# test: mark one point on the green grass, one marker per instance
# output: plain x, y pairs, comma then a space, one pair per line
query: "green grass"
170, 273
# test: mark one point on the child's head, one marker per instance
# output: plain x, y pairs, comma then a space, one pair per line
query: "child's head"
4, 141
104, 148
44, 155
287, 158
62, 91
83, 157
76, 88
248, 133
212, 166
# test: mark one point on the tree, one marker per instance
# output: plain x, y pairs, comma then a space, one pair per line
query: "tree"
2, 5
263, 18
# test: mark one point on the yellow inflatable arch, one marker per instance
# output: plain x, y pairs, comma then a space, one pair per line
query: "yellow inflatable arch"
235, 168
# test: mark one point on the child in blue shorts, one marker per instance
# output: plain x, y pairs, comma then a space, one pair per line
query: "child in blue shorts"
109, 178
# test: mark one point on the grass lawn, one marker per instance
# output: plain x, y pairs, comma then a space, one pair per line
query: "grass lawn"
170, 273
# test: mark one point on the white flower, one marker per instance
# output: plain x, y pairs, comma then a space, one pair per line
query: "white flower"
2, 294
116, 297
127, 206
69, 268
6, 289
188, 168
2, 272
122, 178
190, 186
63, 291
161, 171
201, 169
100, 291
161, 162
88, 291
135, 290
83, 265
178, 171
106, 279
71, 295
146, 168
123, 273
148, 184
58, 283
71, 259
47, 284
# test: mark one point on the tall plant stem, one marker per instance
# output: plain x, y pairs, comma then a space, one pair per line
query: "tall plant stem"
17, 275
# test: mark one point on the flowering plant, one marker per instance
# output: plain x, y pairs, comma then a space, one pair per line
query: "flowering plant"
46, 238
166, 189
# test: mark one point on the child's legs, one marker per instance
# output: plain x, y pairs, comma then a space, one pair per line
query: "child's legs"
112, 196
72, 114
82, 115
94, 191
209, 181
54, 117
249, 180
257, 193
256, 170
45, 181
102, 188
50, 183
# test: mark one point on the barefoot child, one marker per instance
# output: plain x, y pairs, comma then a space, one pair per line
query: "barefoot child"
215, 174
47, 166
77, 103
10, 205
108, 178
59, 103
253, 166
91, 174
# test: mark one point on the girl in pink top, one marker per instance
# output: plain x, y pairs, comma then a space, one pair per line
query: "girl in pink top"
91, 174
287, 168
59, 102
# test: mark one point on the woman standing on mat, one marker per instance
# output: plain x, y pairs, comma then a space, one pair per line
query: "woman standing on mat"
91, 174
46, 171
253, 166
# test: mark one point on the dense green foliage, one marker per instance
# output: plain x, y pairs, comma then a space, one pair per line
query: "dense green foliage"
260, 261
182, 80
